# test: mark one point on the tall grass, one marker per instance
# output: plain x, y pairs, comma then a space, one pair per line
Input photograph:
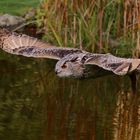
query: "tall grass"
93, 25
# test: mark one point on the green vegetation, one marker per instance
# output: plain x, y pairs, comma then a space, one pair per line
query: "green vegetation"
18, 7
92, 25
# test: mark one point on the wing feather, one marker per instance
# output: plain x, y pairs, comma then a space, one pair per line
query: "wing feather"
117, 65
21, 44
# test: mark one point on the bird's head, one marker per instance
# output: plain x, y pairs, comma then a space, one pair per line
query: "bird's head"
70, 66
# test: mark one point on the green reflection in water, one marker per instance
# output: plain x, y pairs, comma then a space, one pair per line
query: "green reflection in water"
37, 105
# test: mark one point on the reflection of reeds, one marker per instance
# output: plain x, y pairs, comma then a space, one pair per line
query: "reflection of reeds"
127, 117
90, 23
66, 113
77, 110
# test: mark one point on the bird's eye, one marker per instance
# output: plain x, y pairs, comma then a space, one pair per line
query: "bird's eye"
64, 66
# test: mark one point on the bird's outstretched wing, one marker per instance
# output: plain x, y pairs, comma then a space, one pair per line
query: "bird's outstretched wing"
21, 44
117, 65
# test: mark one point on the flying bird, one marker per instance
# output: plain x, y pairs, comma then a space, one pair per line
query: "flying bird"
72, 62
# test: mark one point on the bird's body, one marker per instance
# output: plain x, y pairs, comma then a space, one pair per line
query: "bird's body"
72, 62
95, 65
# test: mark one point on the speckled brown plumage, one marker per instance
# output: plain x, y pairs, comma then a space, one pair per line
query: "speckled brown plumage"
72, 62
21, 44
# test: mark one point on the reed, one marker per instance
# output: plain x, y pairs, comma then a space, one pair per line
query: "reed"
94, 25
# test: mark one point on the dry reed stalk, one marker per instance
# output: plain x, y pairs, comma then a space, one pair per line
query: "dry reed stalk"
100, 29
80, 36
118, 19
74, 31
125, 16
137, 11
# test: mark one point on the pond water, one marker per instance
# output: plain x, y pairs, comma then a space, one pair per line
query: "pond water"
35, 104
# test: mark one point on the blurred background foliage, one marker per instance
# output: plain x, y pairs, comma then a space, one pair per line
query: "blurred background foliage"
94, 25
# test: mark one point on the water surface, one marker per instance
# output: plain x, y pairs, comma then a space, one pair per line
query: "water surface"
37, 105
